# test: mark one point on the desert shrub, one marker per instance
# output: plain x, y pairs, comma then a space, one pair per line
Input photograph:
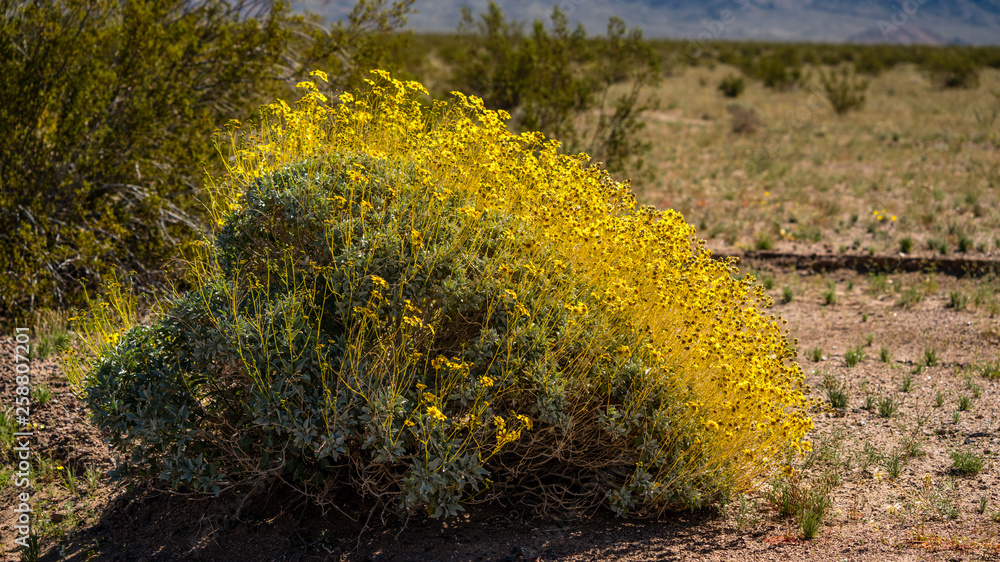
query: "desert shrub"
554, 79
108, 109
745, 120
844, 90
952, 68
779, 69
420, 306
732, 86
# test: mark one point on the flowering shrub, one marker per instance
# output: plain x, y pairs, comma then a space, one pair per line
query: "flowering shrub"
425, 308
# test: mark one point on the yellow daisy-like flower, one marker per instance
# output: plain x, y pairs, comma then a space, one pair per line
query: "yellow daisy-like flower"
433, 412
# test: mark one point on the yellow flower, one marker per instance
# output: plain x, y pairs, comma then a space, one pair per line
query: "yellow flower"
486, 381
435, 413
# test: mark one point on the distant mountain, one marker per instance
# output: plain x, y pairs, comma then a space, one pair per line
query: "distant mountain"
879, 21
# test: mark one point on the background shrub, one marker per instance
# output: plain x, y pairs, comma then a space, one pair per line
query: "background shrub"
108, 110
844, 90
420, 306
732, 86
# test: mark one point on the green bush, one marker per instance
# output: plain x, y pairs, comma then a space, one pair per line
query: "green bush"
555, 79
952, 68
843, 90
423, 307
732, 86
108, 110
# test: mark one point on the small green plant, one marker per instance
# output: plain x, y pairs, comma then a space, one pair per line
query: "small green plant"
787, 295
894, 465
830, 296
956, 416
906, 245
907, 384
911, 296
864, 316
990, 370
869, 402
965, 243
732, 86
965, 462
983, 503
93, 478
837, 394
878, 283
746, 514
884, 355
41, 394
8, 427
763, 242
33, 550
870, 455
869, 339
807, 505
977, 390
815, 354
52, 333
930, 357
957, 300
939, 399
785, 496
767, 281
887, 406
913, 446
854, 356
939, 245
69, 477
964, 404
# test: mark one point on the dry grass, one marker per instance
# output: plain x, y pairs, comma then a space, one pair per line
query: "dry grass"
923, 155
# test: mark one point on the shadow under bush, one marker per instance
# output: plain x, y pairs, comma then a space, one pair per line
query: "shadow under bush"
428, 310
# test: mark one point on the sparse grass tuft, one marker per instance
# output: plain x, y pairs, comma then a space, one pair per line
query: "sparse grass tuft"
957, 300
894, 465
854, 356
815, 354
906, 245
913, 446
830, 296
836, 393
41, 394
907, 384
964, 404
964, 462
883, 355
887, 406
990, 370
930, 357
787, 295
